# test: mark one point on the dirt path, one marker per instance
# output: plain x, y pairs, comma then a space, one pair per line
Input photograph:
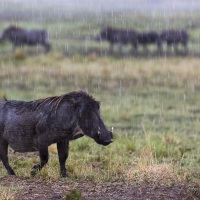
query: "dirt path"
29, 189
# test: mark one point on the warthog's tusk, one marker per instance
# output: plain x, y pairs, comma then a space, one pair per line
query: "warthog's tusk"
112, 129
99, 131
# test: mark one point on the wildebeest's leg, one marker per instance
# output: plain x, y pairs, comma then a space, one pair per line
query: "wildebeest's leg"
47, 46
44, 156
4, 156
134, 48
159, 47
111, 48
145, 48
14, 47
63, 148
185, 48
17, 46
176, 48
121, 48
168, 47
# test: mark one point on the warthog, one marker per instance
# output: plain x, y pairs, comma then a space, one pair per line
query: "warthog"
151, 37
34, 125
19, 37
118, 36
175, 37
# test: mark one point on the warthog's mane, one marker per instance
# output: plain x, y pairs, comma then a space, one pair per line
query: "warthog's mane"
52, 103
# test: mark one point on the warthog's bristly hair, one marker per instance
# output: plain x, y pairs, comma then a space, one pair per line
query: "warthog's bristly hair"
53, 102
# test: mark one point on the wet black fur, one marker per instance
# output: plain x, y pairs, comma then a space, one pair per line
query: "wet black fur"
118, 36
129, 36
150, 37
34, 125
175, 37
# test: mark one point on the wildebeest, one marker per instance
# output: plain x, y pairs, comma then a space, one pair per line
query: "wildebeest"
175, 37
118, 36
34, 125
19, 37
150, 37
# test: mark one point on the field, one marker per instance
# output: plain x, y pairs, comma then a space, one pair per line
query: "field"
152, 102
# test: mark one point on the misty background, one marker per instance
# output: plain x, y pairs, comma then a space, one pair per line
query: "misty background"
68, 8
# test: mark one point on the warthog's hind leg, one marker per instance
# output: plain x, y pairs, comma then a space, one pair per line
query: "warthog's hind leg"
44, 156
4, 156
63, 148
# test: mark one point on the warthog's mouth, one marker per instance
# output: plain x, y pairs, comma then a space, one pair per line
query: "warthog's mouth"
105, 143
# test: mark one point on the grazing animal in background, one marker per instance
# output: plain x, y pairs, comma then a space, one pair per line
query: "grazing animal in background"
175, 37
34, 125
118, 36
151, 37
20, 37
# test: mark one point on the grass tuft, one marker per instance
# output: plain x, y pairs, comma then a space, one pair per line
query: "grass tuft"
19, 54
74, 194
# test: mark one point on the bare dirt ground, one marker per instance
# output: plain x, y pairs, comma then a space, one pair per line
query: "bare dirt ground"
30, 189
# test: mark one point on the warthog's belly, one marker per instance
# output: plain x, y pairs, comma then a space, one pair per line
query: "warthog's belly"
23, 144
24, 147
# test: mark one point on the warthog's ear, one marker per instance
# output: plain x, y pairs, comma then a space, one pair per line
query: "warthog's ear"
78, 108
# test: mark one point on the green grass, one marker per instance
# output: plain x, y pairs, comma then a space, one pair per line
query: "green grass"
153, 104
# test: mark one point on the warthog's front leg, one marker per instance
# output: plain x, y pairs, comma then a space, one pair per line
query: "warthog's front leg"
63, 148
44, 156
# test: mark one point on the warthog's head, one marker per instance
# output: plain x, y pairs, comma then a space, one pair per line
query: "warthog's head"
92, 124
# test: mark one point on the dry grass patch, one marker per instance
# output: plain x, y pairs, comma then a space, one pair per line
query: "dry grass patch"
7, 193
156, 174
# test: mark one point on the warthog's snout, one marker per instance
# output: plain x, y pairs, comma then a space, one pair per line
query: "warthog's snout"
107, 138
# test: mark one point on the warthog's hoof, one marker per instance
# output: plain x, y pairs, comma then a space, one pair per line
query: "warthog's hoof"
11, 172
35, 169
63, 174
33, 172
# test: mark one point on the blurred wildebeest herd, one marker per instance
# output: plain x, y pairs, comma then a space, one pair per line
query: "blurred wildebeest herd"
135, 38
122, 37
